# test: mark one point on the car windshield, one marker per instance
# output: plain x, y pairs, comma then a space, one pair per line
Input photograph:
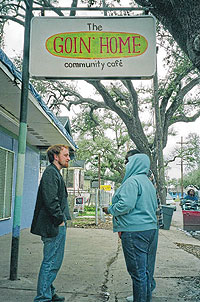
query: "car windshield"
169, 196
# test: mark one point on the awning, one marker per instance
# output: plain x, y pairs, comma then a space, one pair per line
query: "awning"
44, 129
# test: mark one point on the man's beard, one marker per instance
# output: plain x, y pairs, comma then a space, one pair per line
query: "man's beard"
63, 166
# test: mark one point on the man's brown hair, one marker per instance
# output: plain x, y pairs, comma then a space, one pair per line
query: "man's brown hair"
55, 149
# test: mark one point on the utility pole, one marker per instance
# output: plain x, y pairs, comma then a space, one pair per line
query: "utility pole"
181, 164
181, 167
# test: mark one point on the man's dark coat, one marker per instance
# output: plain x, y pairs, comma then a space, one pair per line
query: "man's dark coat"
51, 206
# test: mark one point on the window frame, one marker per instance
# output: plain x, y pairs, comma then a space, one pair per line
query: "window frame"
7, 206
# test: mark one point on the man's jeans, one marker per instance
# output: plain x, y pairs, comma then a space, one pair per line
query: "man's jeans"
136, 247
53, 253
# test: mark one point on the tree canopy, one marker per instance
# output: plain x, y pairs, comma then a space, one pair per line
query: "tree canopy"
192, 179
181, 19
101, 133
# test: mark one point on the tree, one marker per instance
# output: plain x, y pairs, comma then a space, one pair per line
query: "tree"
14, 10
129, 103
93, 139
181, 19
189, 151
192, 179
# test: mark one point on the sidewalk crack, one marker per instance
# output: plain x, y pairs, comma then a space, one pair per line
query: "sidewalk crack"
104, 287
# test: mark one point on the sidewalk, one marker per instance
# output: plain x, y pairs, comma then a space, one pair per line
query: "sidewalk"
94, 266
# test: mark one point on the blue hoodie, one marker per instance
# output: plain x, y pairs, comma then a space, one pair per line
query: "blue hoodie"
134, 204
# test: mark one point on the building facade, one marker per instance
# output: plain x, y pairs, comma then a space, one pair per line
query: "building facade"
43, 130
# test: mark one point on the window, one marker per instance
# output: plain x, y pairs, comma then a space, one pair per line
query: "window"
6, 179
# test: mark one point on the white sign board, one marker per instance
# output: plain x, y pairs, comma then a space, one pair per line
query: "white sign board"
93, 48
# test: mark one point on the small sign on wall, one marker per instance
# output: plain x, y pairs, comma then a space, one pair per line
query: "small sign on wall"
79, 203
93, 48
105, 187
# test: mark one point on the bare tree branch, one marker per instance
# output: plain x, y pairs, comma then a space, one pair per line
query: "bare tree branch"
171, 160
108, 100
74, 4
186, 119
54, 8
179, 98
170, 90
3, 17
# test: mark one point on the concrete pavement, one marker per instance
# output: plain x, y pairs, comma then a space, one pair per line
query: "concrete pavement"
94, 268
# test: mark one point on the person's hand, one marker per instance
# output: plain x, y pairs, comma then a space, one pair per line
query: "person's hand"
105, 210
62, 224
120, 234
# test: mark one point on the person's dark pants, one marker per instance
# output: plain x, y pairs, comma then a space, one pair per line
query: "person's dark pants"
53, 253
136, 247
152, 259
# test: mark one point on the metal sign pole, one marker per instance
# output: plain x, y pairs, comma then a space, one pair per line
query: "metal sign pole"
159, 144
96, 206
21, 146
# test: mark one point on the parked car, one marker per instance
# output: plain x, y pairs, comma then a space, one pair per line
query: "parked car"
170, 201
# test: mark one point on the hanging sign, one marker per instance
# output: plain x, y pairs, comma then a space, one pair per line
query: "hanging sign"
93, 48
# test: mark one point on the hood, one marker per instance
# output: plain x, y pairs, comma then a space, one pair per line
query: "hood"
137, 164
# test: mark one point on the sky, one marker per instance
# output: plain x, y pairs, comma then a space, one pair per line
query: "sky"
14, 45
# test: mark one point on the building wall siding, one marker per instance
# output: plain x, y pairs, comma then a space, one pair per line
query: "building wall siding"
30, 183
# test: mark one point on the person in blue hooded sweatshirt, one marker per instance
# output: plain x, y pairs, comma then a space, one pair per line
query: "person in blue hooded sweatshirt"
134, 208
